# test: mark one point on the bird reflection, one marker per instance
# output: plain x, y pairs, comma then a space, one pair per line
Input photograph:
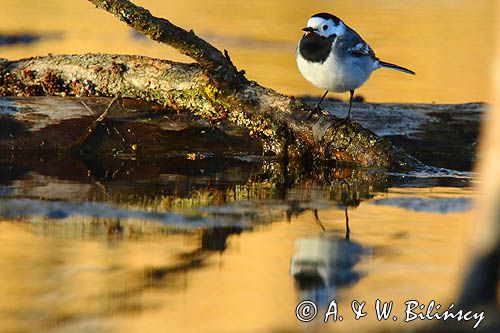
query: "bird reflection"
324, 263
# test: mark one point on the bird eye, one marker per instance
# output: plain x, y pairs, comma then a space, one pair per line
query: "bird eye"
325, 27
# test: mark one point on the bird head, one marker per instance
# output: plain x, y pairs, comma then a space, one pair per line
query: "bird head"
325, 25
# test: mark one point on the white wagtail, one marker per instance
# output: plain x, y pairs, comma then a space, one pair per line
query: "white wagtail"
334, 57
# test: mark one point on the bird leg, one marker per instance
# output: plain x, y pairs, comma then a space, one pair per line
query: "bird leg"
350, 104
348, 117
317, 220
317, 109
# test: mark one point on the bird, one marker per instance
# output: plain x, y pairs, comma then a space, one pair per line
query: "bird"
334, 57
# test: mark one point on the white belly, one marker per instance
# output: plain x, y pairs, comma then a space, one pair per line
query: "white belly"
338, 75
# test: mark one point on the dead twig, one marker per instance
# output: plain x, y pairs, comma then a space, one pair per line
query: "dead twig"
87, 107
92, 127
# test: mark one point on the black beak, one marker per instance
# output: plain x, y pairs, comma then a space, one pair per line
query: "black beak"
309, 29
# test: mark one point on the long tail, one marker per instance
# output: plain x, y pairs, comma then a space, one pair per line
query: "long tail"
384, 64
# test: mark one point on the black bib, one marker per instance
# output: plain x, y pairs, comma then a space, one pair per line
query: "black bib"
315, 48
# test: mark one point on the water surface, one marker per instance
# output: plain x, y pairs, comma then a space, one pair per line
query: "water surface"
218, 250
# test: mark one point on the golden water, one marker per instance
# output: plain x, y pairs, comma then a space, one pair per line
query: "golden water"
58, 279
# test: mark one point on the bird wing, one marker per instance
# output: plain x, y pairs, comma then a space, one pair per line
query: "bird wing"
354, 45
361, 49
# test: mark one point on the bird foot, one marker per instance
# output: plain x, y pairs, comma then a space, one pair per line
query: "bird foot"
345, 120
317, 110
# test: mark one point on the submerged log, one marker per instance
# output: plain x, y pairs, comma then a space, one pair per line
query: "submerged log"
443, 135
53, 124
212, 89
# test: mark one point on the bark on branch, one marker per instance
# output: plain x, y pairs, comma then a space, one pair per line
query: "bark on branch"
278, 120
218, 65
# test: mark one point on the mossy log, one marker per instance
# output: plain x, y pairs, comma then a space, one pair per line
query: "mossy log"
440, 135
211, 89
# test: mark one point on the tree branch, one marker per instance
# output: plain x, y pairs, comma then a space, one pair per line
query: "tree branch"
161, 30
